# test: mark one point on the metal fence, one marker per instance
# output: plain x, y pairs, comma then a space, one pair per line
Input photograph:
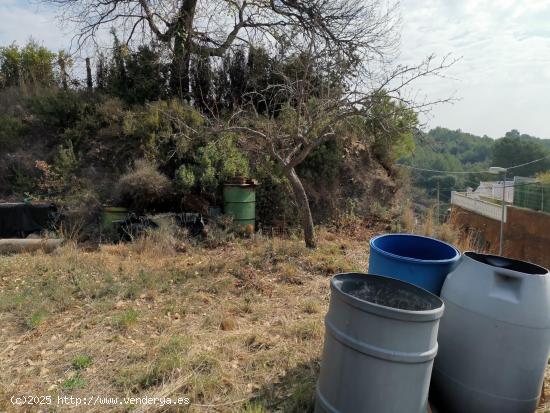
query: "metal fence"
534, 196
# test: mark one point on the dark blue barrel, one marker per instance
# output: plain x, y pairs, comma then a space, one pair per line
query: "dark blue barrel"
422, 261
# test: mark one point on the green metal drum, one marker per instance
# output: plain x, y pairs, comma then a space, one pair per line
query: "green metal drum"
239, 201
110, 214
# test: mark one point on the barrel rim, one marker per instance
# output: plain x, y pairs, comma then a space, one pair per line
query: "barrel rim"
107, 208
477, 257
241, 185
411, 259
385, 311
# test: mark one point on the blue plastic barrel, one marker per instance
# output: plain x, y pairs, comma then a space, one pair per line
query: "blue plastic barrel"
422, 261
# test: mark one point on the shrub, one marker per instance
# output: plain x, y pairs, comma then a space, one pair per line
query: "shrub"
143, 186
60, 176
126, 319
81, 362
185, 179
17, 175
11, 130
322, 166
100, 120
391, 126
220, 160
65, 162
74, 382
58, 108
164, 129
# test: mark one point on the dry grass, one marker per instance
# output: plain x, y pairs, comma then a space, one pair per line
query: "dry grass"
238, 328
407, 218
429, 225
464, 241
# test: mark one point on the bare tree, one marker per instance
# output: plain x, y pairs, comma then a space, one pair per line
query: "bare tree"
210, 27
318, 102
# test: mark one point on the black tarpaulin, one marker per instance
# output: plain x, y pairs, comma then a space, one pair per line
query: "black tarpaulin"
17, 220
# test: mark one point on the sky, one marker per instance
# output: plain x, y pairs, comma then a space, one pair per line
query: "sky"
501, 82
503, 76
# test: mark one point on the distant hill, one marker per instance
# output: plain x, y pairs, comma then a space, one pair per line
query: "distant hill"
455, 150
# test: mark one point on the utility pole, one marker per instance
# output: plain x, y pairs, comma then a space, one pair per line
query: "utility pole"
438, 211
496, 170
501, 246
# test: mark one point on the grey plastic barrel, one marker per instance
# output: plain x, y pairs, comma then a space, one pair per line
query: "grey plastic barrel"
380, 342
494, 337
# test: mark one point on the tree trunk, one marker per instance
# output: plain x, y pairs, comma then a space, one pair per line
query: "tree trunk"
89, 82
180, 79
303, 205
63, 71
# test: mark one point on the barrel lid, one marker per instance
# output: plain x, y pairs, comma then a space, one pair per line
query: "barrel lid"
387, 297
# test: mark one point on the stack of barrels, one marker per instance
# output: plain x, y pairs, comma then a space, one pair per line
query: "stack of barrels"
480, 323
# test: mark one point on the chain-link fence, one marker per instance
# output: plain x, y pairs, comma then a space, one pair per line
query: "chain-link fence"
534, 196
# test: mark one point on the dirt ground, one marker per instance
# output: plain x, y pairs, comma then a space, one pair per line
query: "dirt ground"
237, 328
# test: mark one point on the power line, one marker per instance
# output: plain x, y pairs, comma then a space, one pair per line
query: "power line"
529, 163
438, 171
469, 172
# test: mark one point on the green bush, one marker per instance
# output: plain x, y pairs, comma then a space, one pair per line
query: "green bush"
164, 130
391, 126
185, 179
81, 362
322, 166
220, 160
19, 176
58, 108
11, 129
275, 205
66, 161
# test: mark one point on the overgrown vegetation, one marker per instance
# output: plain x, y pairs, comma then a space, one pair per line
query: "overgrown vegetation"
146, 150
